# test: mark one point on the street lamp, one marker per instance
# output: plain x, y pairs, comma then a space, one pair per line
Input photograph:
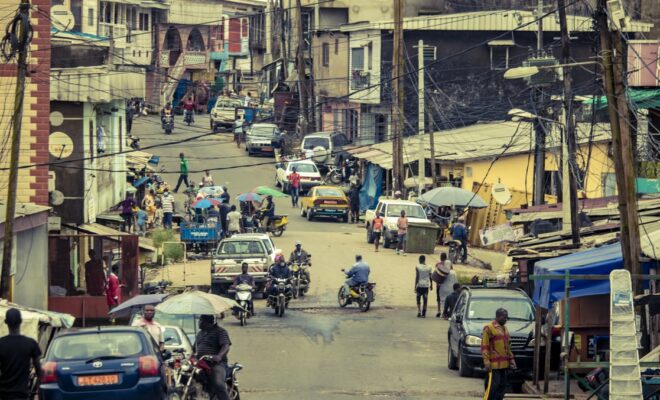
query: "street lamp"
526, 72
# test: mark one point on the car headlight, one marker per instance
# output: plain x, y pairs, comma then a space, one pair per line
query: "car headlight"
472, 340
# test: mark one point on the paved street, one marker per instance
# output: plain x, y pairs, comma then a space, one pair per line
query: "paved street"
319, 350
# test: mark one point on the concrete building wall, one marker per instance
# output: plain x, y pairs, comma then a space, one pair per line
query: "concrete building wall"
32, 182
205, 12
330, 55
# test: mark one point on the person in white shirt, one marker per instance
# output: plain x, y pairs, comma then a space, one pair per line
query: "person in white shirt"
446, 287
233, 221
207, 179
154, 328
423, 284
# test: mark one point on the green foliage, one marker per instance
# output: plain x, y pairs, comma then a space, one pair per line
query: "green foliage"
162, 235
171, 251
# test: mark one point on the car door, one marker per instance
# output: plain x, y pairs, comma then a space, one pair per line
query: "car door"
456, 324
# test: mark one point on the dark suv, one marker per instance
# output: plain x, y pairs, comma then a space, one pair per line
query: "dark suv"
474, 309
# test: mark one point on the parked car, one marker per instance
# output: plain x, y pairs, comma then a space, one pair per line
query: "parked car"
325, 201
327, 147
474, 309
231, 254
308, 171
260, 138
176, 339
103, 363
390, 210
223, 113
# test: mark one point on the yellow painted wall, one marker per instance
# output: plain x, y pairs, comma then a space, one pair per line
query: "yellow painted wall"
512, 170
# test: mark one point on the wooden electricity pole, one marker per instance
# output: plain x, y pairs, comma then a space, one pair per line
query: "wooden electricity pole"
397, 99
612, 53
303, 88
21, 46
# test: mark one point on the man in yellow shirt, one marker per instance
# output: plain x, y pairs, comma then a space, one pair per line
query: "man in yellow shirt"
497, 355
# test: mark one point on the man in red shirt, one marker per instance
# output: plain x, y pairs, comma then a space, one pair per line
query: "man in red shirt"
294, 186
188, 108
112, 290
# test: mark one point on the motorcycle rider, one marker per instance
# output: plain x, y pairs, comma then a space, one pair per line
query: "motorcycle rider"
245, 279
300, 256
166, 112
214, 341
267, 212
357, 275
188, 108
279, 270
459, 232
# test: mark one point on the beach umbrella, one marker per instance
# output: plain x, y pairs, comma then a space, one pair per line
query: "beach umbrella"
249, 197
125, 308
196, 303
450, 196
206, 203
267, 191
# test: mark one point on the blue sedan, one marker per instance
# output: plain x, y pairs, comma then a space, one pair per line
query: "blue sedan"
103, 363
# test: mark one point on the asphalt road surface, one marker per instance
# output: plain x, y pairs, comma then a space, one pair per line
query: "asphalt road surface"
317, 350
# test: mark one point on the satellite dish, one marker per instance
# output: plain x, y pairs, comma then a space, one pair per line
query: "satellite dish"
62, 18
501, 194
56, 198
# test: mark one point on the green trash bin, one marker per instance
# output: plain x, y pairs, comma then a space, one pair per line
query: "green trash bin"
422, 237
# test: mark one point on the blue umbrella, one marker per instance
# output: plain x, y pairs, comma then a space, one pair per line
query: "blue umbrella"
124, 309
205, 203
250, 197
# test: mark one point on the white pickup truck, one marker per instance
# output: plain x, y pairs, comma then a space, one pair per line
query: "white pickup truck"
390, 210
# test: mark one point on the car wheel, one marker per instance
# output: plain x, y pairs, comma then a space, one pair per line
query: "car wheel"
463, 367
386, 241
370, 235
451, 358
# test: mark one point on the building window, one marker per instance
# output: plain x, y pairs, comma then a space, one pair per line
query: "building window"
336, 46
357, 59
468, 172
326, 54
144, 22
370, 57
499, 54
90, 16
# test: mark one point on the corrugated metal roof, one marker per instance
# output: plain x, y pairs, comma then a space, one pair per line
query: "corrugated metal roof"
478, 141
499, 20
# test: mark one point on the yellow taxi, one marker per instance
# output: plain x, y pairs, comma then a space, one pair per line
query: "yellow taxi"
326, 201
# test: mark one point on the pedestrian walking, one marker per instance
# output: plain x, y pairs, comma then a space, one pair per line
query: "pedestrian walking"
18, 354
497, 356
167, 202
127, 212
294, 186
423, 284
450, 301
158, 215
113, 290
224, 211
377, 229
149, 204
445, 283
141, 221
183, 172
234, 221
94, 275
402, 233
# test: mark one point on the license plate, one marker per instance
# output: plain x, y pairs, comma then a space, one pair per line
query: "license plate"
329, 202
98, 380
267, 148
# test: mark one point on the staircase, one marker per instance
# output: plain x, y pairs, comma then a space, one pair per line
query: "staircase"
175, 74
625, 377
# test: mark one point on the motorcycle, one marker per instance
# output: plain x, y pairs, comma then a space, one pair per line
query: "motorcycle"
299, 282
333, 175
195, 373
168, 123
280, 300
188, 117
454, 252
243, 297
135, 142
276, 225
362, 294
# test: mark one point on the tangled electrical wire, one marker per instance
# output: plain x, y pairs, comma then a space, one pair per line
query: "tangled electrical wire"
18, 34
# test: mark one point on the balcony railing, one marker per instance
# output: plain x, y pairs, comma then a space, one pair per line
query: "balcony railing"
359, 79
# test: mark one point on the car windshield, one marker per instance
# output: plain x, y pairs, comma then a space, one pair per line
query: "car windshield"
85, 346
328, 192
312, 142
412, 210
187, 323
171, 337
227, 104
262, 131
241, 247
484, 308
304, 168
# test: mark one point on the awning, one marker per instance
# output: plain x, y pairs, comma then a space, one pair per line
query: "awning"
597, 261
98, 229
641, 98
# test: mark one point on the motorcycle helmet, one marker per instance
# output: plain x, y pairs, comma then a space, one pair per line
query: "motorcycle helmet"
279, 258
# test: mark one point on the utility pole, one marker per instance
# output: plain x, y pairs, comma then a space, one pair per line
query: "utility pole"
397, 99
283, 49
539, 128
303, 88
22, 46
569, 199
432, 148
612, 53
421, 175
